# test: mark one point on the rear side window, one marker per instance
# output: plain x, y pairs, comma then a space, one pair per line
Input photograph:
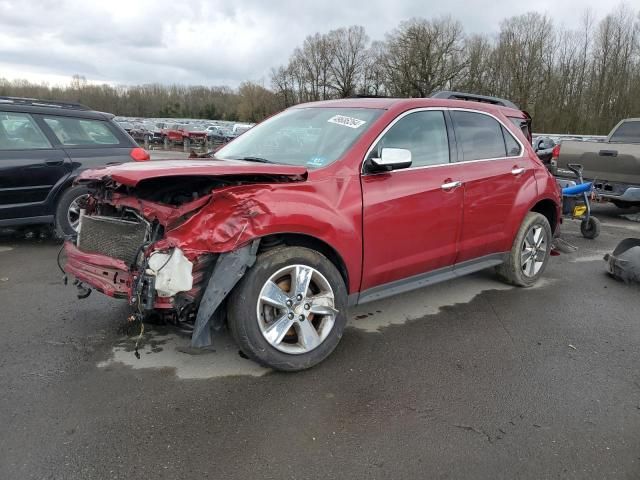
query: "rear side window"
423, 133
75, 131
479, 136
18, 131
627, 132
522, 124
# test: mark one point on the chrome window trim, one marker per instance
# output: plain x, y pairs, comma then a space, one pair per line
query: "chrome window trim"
442, 109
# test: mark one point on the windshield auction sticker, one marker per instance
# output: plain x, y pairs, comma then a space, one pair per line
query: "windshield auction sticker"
346, 121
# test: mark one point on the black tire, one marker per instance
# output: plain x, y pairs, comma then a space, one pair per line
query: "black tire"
512, 270
63, 226
590, 229
242, 306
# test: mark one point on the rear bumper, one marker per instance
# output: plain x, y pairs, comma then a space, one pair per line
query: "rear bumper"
630, 194
107, 275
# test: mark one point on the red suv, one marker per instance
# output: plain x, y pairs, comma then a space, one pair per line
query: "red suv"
320, 207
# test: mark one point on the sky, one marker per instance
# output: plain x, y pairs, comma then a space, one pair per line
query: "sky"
200, 42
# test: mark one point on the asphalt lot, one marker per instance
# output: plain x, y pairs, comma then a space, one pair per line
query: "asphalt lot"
467, 379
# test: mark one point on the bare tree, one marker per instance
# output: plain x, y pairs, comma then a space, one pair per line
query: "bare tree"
423, 56
348, 55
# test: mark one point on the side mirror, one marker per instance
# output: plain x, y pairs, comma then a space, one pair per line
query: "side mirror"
392, 159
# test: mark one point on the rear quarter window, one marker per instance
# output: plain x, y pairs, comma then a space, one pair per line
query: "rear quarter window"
513, 147
82, 132
522, 125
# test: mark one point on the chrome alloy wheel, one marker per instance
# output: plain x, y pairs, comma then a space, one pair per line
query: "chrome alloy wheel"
296, 309
534, 251
73, 213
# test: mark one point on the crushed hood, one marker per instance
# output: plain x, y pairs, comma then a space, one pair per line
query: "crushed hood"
132, 173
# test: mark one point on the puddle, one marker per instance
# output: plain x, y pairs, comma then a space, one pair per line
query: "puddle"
397, 310
160, 351
5, 249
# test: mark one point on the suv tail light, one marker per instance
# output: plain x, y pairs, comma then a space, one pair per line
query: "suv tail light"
555, 153
139, 154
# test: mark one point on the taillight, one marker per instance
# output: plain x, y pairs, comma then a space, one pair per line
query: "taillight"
555, 153
140, 154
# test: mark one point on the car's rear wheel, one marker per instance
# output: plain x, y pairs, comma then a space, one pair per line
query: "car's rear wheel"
70, 204
530, 252
289, 310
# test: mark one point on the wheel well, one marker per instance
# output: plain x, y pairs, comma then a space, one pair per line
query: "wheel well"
307, 241
68, 183
549, 210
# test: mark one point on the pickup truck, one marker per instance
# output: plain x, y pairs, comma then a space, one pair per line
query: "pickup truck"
613, 165
183, 134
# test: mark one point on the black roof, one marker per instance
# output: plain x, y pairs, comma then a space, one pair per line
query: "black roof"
50, 107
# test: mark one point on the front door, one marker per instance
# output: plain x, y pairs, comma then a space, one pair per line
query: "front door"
411, 217
29, 166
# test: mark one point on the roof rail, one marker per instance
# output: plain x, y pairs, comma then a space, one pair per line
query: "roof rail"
472, 97
43, 103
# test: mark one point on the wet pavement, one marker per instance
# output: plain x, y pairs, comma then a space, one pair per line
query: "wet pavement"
467, 379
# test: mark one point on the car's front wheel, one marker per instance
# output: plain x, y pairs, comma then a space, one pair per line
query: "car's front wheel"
530, 252
70, 204
289, 310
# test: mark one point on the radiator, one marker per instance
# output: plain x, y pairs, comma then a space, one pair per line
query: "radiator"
112, 237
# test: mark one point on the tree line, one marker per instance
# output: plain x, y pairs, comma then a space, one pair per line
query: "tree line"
579, 80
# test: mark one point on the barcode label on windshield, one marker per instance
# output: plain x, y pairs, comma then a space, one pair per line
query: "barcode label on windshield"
346, 121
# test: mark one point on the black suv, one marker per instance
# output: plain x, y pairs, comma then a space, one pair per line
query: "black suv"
43, 146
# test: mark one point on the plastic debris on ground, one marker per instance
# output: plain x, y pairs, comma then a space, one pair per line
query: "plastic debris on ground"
624, 262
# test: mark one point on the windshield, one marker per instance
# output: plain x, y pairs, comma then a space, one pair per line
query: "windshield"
313, 137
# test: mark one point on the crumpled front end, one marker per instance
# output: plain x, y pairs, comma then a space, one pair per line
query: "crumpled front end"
117, 257
158, 243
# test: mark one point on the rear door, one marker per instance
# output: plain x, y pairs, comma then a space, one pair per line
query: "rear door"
90, 143
30, 167
495, 171
411, 217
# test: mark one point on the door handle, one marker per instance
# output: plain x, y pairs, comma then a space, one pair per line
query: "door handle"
608, 153
53, 163
517, 171
450, 185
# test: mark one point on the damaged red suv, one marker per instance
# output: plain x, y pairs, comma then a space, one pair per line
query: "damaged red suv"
320, 207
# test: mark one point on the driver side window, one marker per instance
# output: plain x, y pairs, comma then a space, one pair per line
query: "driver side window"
424, 134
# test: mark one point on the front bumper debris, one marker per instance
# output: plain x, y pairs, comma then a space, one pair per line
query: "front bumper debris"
108, 275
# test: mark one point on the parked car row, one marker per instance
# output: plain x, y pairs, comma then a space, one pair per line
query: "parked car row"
170, 132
